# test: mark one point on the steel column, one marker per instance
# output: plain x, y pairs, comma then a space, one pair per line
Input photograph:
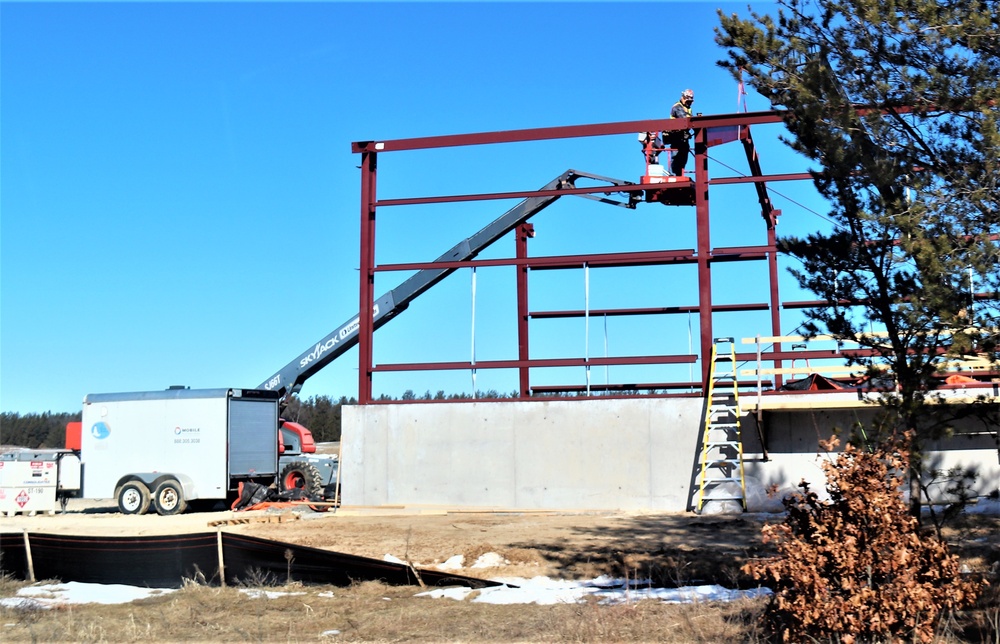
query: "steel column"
772, 268
704, 250
366, 287
524, 232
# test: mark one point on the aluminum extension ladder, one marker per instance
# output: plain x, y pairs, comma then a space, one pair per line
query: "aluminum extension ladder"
721, 441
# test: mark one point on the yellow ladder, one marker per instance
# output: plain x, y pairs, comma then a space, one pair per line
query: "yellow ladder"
721, 442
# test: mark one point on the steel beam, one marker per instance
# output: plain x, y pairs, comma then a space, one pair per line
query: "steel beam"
656, 310
537, 363
606, 260
566, 132
789, 176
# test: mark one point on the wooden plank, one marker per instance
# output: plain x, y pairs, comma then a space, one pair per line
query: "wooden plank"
845, 403
768, 339
851, 403
270, 518
807, 371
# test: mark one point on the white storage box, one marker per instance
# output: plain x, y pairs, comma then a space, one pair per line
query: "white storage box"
28, 482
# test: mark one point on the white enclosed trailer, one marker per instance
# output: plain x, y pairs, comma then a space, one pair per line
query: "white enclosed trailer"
167, 448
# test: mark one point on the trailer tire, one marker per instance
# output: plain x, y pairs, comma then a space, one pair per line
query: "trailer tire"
303, 476
168, 498
133, 498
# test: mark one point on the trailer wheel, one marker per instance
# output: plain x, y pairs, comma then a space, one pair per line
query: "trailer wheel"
133, 498
169, 498
303, 476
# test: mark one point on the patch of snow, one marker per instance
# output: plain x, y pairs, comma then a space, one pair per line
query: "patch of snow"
74, 592
546, 591
23, 603
490, 560
452, 563
392, 559
721, 506
256, 593
454, 592
537, 590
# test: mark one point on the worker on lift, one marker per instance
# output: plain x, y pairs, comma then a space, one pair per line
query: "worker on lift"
679, 140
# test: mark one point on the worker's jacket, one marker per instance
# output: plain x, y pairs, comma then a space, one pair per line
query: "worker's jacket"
679, 111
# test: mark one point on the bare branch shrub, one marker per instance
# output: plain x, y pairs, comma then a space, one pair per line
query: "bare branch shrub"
857, 567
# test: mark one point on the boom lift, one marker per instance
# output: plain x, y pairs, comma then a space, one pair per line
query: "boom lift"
289, 379
298, 464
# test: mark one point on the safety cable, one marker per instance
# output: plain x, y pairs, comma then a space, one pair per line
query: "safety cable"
783, 196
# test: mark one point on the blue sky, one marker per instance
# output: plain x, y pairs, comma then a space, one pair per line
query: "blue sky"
180, 202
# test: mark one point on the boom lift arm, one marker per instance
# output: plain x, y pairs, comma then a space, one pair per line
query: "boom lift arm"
289, 379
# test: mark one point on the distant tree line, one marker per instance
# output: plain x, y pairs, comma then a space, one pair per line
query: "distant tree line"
45, 430
321, 414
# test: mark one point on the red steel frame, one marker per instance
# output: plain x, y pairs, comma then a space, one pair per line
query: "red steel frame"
704, 256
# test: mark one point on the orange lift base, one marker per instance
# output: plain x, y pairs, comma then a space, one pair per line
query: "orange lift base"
670, 191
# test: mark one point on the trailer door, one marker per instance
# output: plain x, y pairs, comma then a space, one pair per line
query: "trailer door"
253, 437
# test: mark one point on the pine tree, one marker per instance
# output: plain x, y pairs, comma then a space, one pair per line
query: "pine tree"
45, 430
897, 103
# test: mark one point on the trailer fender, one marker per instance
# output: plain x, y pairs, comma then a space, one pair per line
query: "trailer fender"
146, 478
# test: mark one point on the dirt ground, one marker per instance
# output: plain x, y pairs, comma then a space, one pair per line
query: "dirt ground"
668, 548
673, 548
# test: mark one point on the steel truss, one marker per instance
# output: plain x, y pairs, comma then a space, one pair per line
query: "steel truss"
708, 131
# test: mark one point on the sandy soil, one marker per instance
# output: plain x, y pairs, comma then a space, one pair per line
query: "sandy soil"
573, 545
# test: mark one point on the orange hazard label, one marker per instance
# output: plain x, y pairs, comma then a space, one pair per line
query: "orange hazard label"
22, 498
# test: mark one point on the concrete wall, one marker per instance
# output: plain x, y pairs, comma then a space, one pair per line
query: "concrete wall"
793, 448
627, 454
589, 454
